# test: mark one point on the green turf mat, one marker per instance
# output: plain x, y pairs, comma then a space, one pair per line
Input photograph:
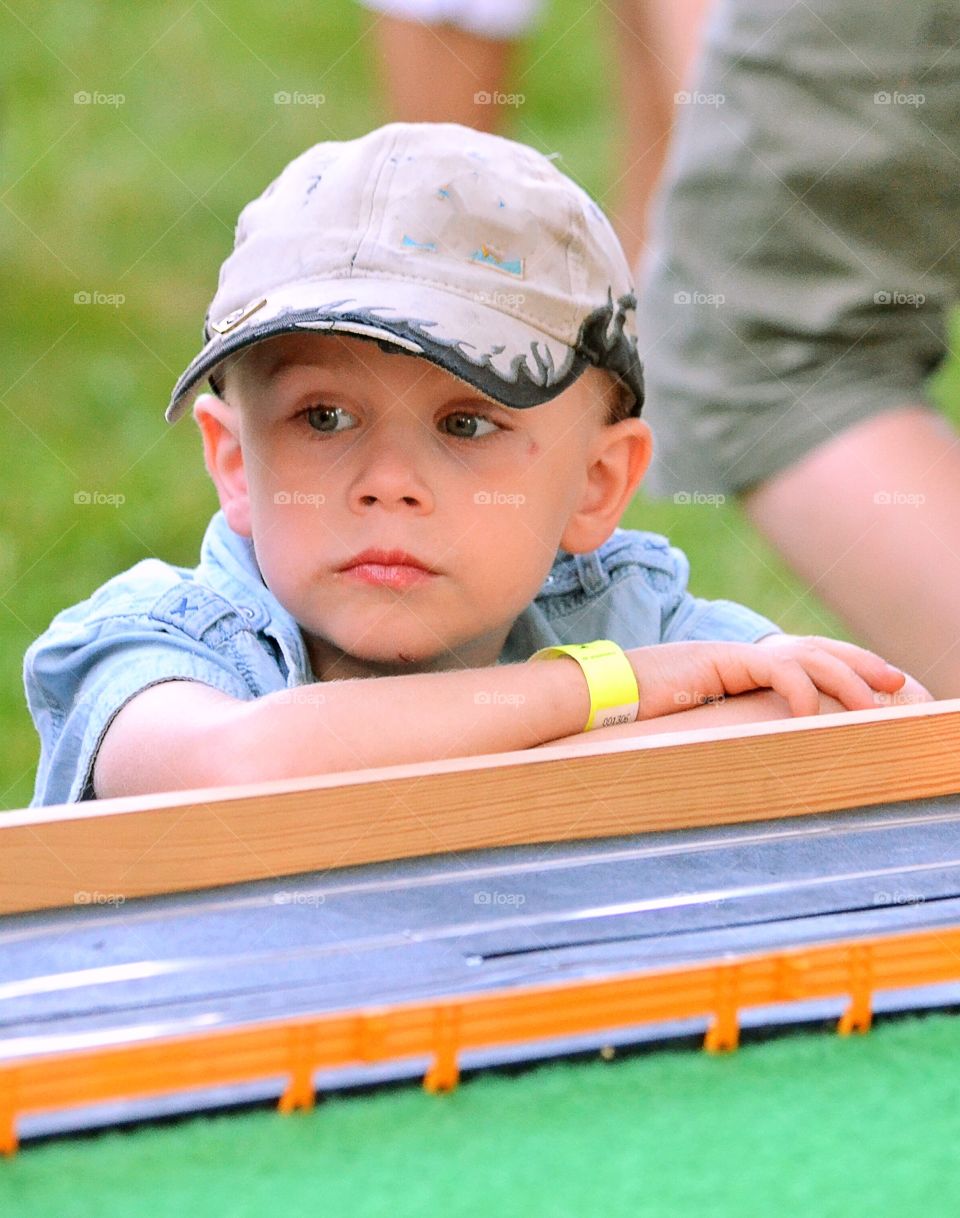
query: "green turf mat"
810, 1124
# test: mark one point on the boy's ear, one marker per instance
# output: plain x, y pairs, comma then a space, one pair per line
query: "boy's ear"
219, 425
617, 459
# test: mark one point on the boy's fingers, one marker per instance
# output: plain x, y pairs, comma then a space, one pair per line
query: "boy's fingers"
837, 678
802, 678
799, 669
792, 682
872, 667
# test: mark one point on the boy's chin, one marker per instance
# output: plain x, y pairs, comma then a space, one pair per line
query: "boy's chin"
381, 657
387, 645
407, 657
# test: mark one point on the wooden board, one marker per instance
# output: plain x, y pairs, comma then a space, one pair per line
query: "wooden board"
92, 853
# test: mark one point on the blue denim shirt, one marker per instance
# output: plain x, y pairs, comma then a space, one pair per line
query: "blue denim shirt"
219, 624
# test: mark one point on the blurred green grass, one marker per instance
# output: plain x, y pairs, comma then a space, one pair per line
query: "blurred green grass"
140, 199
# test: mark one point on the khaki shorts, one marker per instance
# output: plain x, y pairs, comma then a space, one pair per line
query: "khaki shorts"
807, 237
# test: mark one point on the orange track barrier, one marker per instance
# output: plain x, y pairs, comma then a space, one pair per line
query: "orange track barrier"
442, 1028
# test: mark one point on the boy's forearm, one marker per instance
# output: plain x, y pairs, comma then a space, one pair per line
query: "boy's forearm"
348, 725
356, 724
753, 707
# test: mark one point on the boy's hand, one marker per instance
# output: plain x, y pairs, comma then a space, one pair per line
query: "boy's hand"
677, 676
910, 690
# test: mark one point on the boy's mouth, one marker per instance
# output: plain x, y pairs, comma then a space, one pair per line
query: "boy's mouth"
387, 568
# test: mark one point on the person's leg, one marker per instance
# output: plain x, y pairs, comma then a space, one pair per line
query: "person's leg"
657, 42
871, 522
441, 74
468, 56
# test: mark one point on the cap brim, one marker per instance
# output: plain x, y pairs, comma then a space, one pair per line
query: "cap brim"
519, 365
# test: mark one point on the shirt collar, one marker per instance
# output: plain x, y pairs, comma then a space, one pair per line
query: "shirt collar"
228, 563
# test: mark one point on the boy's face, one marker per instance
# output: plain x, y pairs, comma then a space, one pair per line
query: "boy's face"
326, 447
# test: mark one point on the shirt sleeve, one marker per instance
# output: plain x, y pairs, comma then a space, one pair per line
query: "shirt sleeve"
633, 590
81, 672
689, 618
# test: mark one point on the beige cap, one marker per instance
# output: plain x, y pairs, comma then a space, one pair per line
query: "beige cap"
467, 249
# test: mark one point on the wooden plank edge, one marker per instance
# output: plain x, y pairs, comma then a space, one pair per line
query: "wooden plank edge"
127, 848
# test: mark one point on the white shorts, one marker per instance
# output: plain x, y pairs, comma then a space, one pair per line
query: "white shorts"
488, 18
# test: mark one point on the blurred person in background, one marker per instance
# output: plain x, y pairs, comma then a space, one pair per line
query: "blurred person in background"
452, 60
804, 263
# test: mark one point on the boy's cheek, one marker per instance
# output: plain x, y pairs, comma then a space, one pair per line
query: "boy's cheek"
285, 546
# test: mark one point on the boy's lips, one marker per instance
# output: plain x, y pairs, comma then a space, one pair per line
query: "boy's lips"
387, 568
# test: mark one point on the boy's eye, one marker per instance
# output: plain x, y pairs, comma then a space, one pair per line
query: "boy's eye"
466, 426
327, 418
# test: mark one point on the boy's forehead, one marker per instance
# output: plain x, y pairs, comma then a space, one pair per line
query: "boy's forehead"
288, 355
269, 358
292, 356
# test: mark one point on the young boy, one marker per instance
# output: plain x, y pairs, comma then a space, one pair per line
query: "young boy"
423, 435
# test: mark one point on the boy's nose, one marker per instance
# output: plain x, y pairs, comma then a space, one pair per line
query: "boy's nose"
389, 473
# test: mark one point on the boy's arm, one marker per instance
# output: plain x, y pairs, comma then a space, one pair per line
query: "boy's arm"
753, 706
182, 734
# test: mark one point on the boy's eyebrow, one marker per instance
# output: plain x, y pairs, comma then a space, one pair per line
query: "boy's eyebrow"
283, 365
280, 369
279, 365
333, 361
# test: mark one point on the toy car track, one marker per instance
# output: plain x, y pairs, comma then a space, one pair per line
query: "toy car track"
107, 974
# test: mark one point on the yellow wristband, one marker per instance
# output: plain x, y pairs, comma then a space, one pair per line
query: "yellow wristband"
614, 693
